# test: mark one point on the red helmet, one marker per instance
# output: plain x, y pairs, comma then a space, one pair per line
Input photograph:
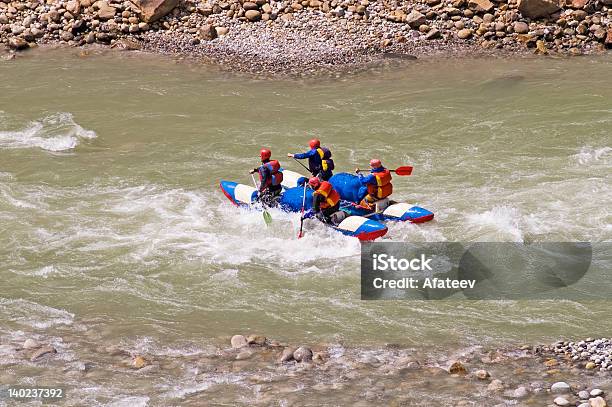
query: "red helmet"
314, 143
265, 154
375, 163
314, 182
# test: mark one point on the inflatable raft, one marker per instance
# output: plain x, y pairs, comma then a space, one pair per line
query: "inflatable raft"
352, 192
357, 226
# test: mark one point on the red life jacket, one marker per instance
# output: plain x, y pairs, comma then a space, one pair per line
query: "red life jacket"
332, 197
276, 176
383, 187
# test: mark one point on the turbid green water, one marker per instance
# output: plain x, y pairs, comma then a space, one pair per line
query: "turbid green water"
113, 228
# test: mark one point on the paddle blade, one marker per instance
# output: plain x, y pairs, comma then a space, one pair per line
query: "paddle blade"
301, 233
406, 170
267, 218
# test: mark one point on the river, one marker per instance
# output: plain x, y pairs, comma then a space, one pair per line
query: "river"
113, 228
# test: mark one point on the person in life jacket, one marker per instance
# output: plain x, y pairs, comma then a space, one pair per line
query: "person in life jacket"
378, 182
270, 178
325, 199
320, 163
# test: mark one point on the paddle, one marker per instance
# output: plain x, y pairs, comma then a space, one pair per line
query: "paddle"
266, 215
299, 162
300, 234
402, 171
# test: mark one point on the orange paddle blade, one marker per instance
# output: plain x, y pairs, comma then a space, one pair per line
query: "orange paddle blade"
406, 170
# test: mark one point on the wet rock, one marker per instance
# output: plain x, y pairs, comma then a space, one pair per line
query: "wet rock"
126, 44
302, 354
320, 357
138, 362
598, 402
247, 5
537, 8
238, 341
153, 10
583, 395
482, 374
45, 350
207, 32
114, 350
561, 401
595, 393
243, 355
66, 36
31, 344
542, 50
253, 15
287, 354
256, 340
520, 393
17, 43
495, 386
457, 368
560, 388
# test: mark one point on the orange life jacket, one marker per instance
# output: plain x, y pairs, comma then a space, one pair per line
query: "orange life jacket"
276, 176
383, 187
332, 197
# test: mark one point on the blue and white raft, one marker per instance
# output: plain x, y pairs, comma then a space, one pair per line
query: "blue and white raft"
357, 226
352, 192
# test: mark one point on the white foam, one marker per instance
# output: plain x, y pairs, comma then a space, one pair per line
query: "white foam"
132, 401
57, 132
589, 155
32, 314
500, 223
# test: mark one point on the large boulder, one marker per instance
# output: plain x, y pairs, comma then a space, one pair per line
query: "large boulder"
17, 43
105, 12
253, 15
415, 19
480, 6
207, 32
537, 8
151, 10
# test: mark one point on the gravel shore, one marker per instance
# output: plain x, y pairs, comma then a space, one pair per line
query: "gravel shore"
292, 37
260, 371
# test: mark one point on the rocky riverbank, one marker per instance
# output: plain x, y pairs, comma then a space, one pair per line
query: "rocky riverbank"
255, 370
292, 36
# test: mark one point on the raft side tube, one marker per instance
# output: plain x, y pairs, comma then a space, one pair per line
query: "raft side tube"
361, 228
291, 179
405, 212
238, 194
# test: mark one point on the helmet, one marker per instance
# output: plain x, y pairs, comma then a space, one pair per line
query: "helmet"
265, 154
375, 163
314, 143
314, 182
